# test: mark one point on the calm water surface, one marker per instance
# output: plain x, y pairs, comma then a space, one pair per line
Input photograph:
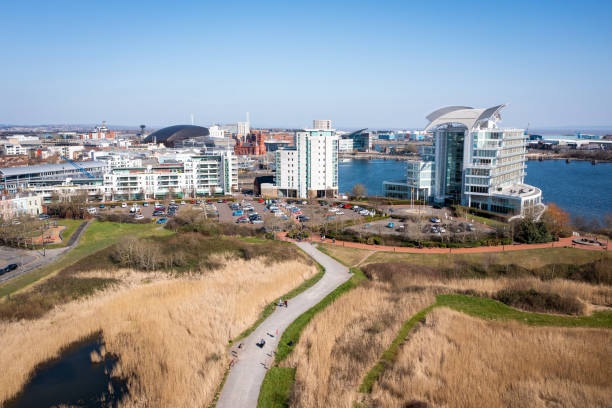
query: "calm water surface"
578, 187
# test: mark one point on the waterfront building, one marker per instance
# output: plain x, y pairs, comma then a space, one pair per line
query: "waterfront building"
474, 163
20, 205
362, 140
345, 145
310, 169
322, 124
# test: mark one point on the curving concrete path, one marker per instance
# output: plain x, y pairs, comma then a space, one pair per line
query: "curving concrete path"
241, 389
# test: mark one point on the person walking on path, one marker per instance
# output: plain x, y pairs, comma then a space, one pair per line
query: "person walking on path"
285, 303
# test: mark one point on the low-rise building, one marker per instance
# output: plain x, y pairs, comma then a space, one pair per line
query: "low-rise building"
345, 145
10, 149
20, 205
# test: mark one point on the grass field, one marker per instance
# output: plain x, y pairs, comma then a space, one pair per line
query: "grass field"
346, 256
71, 226
529, 258
276, 388
98, 235
455, 360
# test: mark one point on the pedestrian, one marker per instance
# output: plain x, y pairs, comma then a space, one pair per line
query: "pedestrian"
285, 303
280, 302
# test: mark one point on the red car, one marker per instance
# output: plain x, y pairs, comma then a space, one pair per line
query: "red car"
261, 201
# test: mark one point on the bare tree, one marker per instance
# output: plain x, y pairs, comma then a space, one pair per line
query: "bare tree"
359, 191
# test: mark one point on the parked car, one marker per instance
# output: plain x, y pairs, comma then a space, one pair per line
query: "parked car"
145, 204
162, 221
123, 205
257, 221
238, 213
91, 210
43, 217
183, 203
8, 268
340, 212
139, 217
113, 206
435, 220
101, 206
390, 225
158, 213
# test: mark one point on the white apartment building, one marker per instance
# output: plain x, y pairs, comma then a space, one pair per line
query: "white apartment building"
202, 175
13, 150
322, 124
20, 205
310, 169
345, 145
216, 132
243, 128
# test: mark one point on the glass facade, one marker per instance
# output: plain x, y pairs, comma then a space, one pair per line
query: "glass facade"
454, 166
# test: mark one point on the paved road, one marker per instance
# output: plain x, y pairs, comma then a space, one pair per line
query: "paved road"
33, 259
244, 381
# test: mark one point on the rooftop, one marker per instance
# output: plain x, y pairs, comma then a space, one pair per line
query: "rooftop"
519, 190
41, 168
465, 115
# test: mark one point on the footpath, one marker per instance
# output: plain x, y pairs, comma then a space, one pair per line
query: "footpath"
51, 255
562, 243
241, 389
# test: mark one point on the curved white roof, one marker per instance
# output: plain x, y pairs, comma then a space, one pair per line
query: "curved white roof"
464, 115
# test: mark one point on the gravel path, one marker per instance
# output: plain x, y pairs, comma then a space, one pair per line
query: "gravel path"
246, 376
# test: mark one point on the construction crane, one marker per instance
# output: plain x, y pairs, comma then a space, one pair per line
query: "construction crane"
79, 168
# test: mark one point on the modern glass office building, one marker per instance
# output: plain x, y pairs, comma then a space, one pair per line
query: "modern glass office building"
475, 163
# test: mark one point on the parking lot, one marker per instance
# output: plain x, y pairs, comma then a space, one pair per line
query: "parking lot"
422, 227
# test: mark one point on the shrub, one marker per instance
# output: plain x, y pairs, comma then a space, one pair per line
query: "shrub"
535, 301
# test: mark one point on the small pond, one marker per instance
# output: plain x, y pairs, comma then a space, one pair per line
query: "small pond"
73, 380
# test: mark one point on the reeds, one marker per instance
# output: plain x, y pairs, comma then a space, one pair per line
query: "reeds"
170, 334
343, 341
454, 360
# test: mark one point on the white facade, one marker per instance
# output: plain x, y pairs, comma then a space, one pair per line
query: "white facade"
20, 205
320, 124
216, 132
198, 176
475, 163
311, 168
345, 145
13, 150
67, 189
243, 128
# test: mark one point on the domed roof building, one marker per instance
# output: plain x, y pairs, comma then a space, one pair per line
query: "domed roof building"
170, 135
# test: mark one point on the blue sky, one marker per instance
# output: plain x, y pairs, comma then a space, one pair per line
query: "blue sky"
362, 64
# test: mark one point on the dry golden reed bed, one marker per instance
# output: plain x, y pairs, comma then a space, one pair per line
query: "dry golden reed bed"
459, 361
343, 341
170, 334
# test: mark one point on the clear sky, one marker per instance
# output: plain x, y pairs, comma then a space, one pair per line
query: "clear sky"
362, 64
